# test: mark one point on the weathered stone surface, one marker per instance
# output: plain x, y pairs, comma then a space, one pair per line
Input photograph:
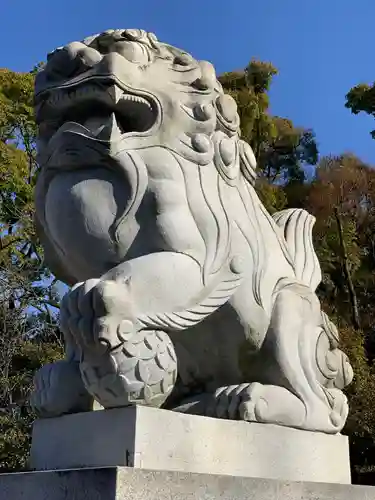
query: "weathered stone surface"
187, 294
150, 438
133, 484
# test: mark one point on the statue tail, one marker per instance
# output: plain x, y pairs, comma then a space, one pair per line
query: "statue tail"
297, 225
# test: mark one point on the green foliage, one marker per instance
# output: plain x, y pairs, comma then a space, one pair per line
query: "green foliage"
273, 197
22, 351
344, 183
21, 257
14, 441
361, 98
290, 149
343, 187
28, 329
282, 150
360, 426
249, 88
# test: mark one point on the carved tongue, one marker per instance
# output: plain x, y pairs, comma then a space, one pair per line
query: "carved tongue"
104, 128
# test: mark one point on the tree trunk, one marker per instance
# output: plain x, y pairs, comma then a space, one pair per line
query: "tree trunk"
346, 270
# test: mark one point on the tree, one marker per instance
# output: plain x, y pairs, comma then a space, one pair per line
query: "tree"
335, 195
28, 319
21, 354
342, 198
288, 153
341, 195
361, 98
250, 90
282, 150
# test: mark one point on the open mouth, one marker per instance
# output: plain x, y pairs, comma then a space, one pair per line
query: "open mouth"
93, 106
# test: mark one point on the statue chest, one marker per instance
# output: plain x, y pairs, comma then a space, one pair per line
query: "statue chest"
81, 208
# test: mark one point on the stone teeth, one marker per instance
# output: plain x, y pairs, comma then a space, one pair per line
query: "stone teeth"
108, 130
61, 98
115, 93
136, 98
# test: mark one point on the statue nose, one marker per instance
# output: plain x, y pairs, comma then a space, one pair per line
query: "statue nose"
116, 66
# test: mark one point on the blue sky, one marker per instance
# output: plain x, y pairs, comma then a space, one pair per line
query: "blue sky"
321, 48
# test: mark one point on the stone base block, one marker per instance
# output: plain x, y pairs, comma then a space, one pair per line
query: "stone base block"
148, 438
134, 484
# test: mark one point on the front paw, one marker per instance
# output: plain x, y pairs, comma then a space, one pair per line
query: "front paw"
97, 314
59, 389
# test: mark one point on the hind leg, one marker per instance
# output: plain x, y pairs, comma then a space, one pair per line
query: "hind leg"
297, 376
300, 356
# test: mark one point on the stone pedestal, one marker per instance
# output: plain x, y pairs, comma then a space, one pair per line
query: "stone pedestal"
148, 438
142, 453
135, 484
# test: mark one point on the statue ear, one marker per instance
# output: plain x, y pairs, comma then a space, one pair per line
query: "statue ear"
248, 163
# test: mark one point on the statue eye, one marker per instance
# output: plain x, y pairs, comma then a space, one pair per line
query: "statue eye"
183, 60
132, 34
133, 52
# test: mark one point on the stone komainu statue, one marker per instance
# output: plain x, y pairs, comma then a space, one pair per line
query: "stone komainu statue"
186, 294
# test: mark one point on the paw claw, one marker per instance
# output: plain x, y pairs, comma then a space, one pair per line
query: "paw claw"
92, 312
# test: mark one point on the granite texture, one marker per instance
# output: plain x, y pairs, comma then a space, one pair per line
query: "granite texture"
186, 293
149, 438
132, 484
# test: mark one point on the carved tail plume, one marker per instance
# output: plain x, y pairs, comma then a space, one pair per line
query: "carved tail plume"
297, 225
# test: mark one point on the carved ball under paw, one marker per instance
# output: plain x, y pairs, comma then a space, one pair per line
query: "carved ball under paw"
59, 389
141, 370
121, 364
